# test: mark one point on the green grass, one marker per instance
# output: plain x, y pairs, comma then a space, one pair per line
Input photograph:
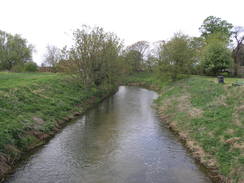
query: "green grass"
35, 102
14, 80
144, 78
211, 114
228, 80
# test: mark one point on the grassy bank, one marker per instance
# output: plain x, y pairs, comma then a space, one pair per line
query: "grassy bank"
33, 107
208, 117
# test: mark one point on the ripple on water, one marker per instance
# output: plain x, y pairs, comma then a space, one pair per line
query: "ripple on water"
121, 140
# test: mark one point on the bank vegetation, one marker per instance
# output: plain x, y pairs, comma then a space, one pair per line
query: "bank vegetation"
207, 115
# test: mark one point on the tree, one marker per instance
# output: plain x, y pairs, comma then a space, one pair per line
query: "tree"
216, 57
93, 57
151, 62
13, 50
152, 57
140, 46
176, 56
238, 51
213, 25
197, 44
134, 59
52, 56
3, 49
135, 54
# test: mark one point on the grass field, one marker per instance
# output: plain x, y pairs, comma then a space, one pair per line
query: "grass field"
208, 116
14, 80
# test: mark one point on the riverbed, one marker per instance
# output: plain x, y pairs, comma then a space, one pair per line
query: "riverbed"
121, 140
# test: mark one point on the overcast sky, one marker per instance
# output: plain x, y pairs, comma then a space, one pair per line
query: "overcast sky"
44, 22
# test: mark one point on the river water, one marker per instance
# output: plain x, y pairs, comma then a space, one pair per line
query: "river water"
119, 141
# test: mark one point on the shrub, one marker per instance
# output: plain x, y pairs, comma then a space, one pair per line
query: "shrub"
26, 67
18, 68
30, 67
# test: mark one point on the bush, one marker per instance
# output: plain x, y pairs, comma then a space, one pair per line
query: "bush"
18, 68
26, 67
30, 67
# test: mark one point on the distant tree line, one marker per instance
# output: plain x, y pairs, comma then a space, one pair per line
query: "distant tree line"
218, 50
99, 58
15, 53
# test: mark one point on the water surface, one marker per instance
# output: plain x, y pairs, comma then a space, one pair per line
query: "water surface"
119, 141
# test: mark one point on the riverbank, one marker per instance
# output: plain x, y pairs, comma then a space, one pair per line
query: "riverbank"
34, 107
208, 118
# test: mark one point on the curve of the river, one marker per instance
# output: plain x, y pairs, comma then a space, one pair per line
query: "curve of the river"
120, 141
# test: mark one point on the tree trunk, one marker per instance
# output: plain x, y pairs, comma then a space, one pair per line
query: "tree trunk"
236, 63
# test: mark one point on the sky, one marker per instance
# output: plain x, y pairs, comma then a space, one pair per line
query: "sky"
51, 22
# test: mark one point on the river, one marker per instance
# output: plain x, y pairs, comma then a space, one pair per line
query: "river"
119, 141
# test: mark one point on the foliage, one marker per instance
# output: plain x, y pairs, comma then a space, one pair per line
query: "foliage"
18, 68
135, 53
26, 67
150, 63
13, 50
93, 57
216, 57
213, 25
176, 56
30, 67
197, 44
134, 60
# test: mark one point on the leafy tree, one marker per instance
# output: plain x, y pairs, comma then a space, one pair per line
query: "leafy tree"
197, 44
135, 54
216, 57
13, 50
134, 59
93, 57
213, 25
3, 50
123, 65
176, 56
